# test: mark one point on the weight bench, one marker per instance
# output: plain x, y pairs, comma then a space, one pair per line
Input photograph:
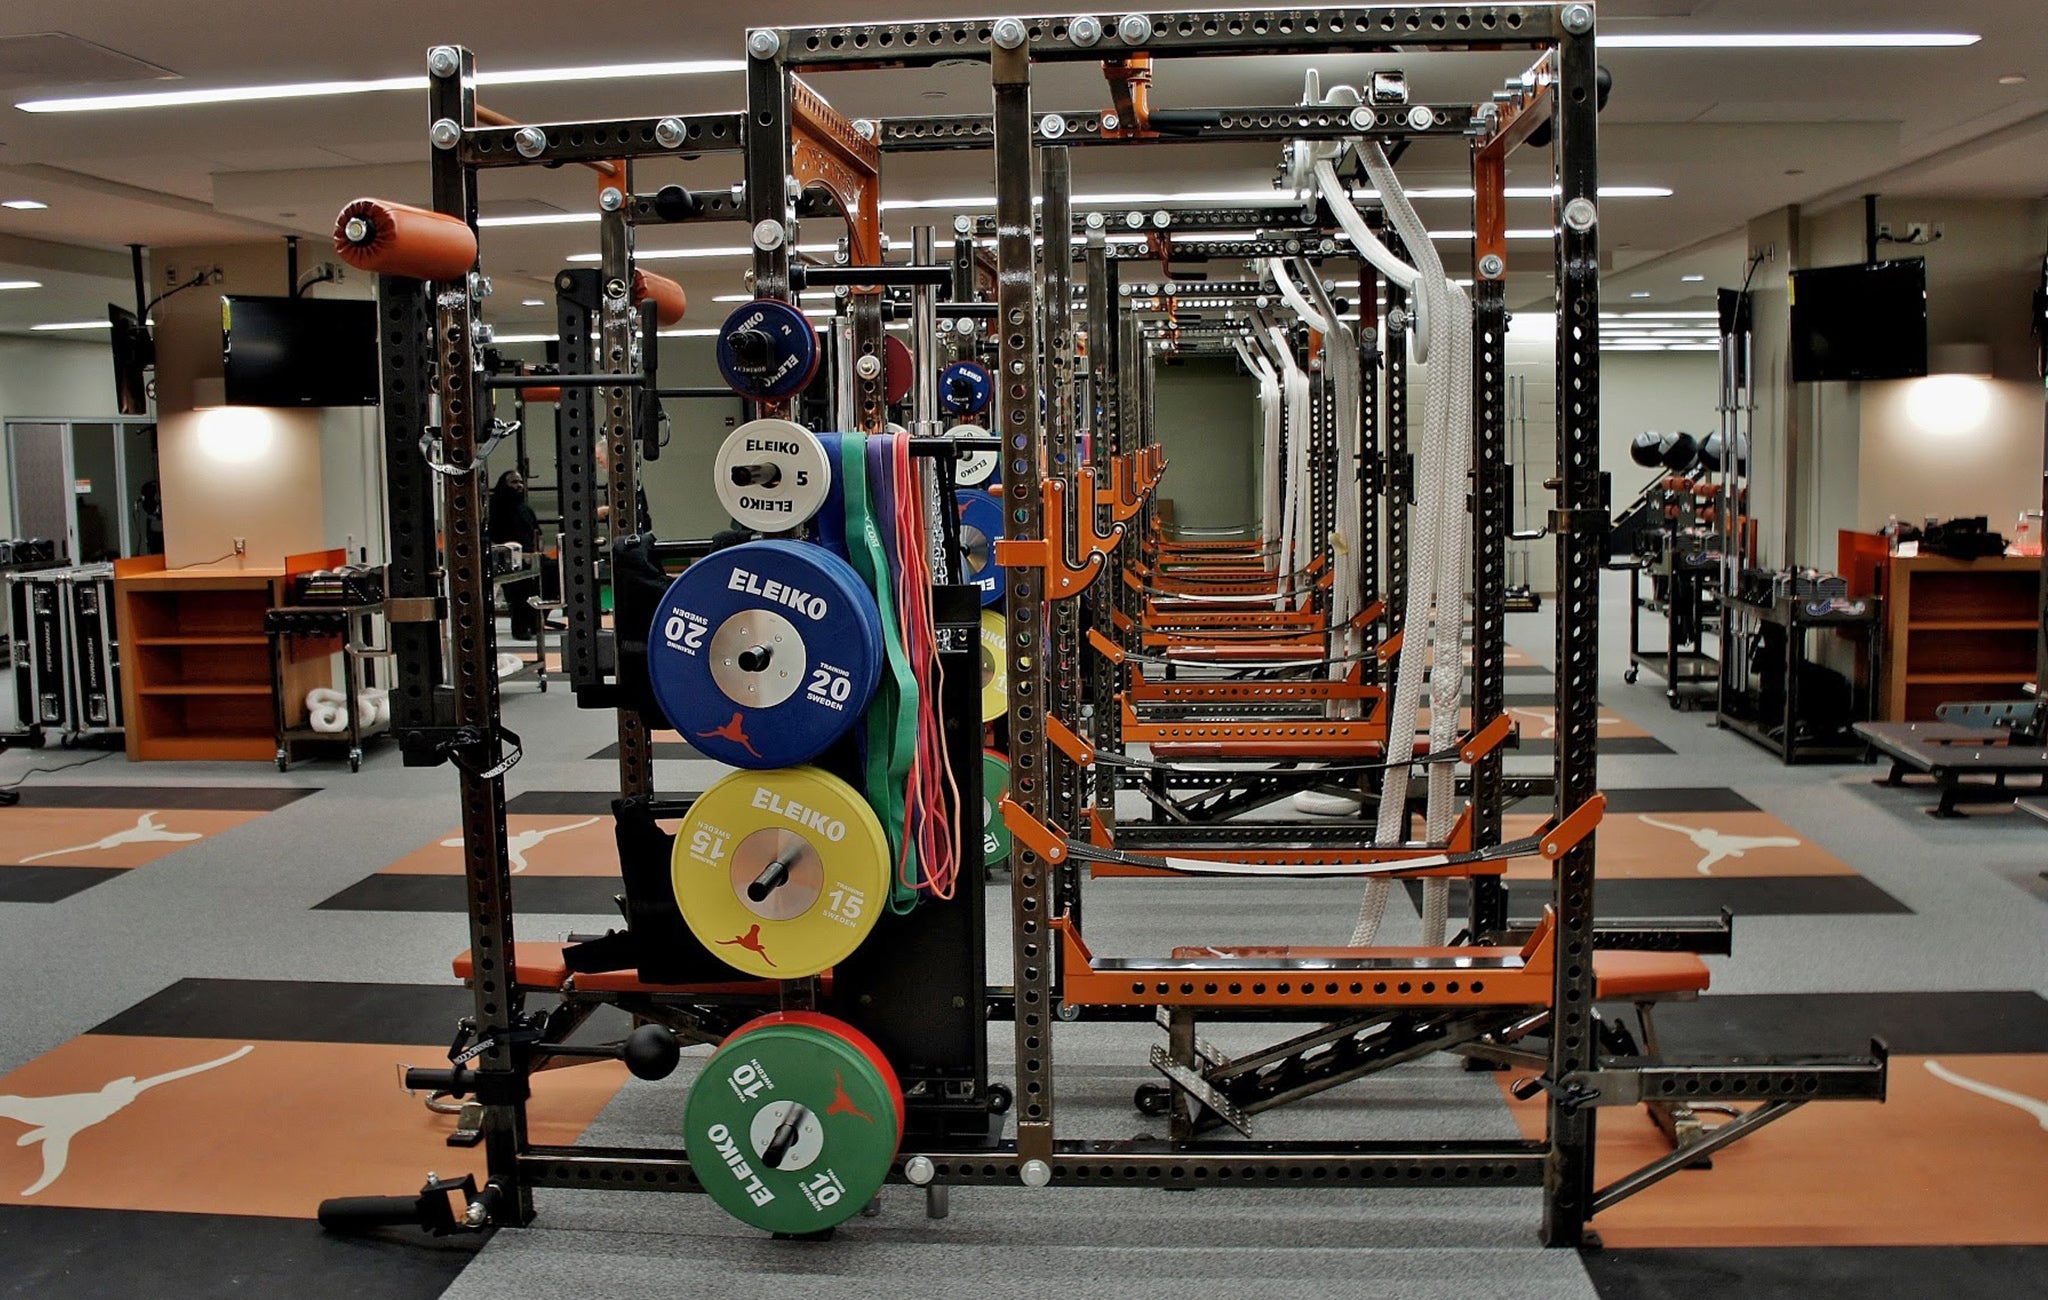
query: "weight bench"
2000, 740
1400, 1004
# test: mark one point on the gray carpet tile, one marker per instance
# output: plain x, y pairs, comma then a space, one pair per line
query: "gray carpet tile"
244, 905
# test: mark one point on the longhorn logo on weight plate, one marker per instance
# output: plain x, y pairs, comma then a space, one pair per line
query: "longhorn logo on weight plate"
751, 941
733, 732
843, 1104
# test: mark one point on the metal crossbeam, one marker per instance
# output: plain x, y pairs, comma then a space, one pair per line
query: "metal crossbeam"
1313, 30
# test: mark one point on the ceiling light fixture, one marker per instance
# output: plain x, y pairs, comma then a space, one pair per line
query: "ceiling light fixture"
1256, 198
320, 89
23, 205
1786, 40
533, 302
524, 338
1691, 279
541, 219
672, 254
73, 325
21, 284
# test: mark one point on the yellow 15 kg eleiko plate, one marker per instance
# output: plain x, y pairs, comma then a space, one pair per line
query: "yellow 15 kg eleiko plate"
995, 666
781, 873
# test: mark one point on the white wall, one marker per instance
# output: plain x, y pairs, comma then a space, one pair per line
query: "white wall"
248, 472
52, 377
352, 482
1846, 456
1639, 391
1208, 425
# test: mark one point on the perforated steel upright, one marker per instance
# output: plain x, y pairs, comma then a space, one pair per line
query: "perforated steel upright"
1105, 390
1580, 524
1063, 459
1490, 506
1021, 428
473, 657
1397, 484
616, 356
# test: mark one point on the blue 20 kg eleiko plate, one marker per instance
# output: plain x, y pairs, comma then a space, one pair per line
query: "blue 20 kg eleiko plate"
964, 388
767, 350
981, 526
765, 654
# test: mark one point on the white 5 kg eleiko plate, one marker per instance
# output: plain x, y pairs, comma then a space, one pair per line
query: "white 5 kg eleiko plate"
772, 475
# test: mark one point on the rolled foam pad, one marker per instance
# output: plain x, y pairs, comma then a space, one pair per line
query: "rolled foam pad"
389, 238
669, 300
1323, 803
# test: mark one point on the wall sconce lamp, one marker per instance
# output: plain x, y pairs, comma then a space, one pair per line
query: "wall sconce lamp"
1955, 397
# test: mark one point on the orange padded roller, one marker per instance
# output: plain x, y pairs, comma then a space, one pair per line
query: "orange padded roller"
398, 239
669, 301
532, 395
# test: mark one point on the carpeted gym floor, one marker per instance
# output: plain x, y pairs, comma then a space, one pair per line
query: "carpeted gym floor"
215, 972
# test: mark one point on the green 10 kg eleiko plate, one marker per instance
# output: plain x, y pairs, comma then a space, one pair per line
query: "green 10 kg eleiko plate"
995, 832
794, 1123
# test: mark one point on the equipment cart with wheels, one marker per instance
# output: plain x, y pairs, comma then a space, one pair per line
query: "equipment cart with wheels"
1682, 582
1776, 709
352, 628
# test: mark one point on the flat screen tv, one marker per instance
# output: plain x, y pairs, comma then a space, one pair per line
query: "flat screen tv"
1867, 321
299, 351
134, 355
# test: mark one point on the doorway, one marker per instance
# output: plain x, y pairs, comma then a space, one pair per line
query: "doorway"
90, 485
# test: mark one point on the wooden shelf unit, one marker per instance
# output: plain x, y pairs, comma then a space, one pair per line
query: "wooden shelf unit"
196, 675
1958, 629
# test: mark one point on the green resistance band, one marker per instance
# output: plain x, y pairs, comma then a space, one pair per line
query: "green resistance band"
892, 716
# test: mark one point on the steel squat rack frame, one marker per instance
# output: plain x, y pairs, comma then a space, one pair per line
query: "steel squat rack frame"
932, 1015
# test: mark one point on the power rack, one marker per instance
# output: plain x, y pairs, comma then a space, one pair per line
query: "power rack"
931, 1014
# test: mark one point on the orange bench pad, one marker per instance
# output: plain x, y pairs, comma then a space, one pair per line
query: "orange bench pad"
542, 966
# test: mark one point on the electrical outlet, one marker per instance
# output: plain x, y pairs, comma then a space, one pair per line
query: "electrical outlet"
241, 546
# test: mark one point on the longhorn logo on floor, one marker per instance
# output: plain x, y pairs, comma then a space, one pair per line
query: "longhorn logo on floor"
517, 845
147, 830
2017, 1100
735, 732
1715, 845
57, 1121
1548, 717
